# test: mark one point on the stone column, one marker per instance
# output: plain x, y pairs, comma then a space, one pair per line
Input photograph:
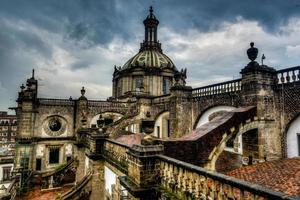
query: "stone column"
258, 83
180, 111
98, 181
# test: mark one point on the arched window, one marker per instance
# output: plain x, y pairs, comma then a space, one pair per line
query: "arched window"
166, 85
139, 82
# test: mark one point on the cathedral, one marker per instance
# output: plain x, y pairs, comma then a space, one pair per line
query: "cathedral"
165, 137
47, 127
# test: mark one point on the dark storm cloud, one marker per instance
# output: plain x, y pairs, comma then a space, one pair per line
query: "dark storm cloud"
100, 20
25, 25
206, 15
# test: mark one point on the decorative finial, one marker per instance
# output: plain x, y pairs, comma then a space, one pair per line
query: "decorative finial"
32, 73
151, 9
262, 59
22, 87
82, 91
252, 52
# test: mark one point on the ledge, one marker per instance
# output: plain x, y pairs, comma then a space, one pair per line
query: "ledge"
134, 189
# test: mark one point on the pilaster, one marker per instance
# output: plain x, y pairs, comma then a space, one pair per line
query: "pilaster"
180, 111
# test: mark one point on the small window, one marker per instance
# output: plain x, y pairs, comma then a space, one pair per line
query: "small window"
53, 155
38, 166
6, 173
166, 86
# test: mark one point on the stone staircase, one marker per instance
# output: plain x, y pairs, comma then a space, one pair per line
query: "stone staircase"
201, 144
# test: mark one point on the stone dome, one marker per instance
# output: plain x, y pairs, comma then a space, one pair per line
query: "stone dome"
149, 58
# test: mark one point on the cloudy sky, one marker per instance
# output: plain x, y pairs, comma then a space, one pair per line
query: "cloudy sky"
72, 43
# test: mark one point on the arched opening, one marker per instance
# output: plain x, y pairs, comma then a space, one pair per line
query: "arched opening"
239, 149
211, 113
134, 128
162, 126
107, 117
250, 147
293, 139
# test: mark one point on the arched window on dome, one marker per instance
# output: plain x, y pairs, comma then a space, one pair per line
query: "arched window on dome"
119, 87
139, 82
166, 85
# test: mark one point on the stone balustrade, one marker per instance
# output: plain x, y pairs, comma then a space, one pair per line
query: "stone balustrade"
11, 192
107, 104
56, 102
188, 181
81, 190
219, 88
288, 75
116, 154
161, 99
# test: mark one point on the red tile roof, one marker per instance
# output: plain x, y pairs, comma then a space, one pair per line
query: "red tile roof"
279, 175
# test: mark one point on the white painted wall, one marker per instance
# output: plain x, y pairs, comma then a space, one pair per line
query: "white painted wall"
161, 123
86, 165
205, 116
292, 140
110, 178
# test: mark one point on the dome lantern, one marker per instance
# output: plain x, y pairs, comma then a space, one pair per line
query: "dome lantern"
150, 42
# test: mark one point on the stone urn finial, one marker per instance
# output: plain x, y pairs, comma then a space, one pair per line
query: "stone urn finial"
82, 91
252, 52
22, 87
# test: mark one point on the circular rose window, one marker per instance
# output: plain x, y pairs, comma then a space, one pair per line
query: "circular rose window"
54, 125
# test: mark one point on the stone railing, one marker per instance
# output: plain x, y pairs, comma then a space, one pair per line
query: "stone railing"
188, 181
56, 102
116, 154
56, 178
60, 170
288, 75
161, 99
80, 191
11, 192
107, 104
219, 88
